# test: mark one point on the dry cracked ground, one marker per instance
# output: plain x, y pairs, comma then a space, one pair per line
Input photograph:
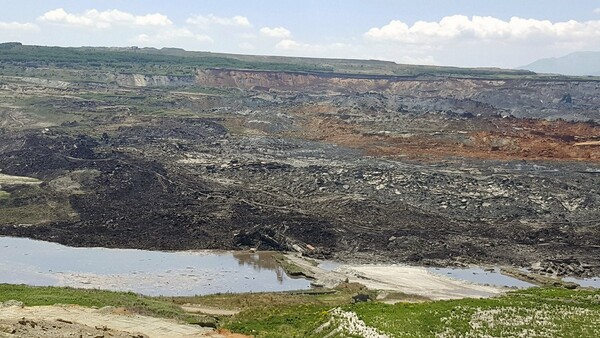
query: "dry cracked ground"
442, 170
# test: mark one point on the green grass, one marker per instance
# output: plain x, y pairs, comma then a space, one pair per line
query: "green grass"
30, 214
538, 312
48, 110
266, 300
33, 295
142, 61
67, 64
55, 110
32, 204
4, 195
286, 314
534, 313
285, 321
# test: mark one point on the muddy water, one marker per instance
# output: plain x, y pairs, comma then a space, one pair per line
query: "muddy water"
480, 276
593, 282
26, 261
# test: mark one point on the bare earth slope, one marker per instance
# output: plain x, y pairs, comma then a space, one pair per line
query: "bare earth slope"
75, 321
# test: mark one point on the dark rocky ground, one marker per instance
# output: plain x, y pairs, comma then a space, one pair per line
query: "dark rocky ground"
357, 177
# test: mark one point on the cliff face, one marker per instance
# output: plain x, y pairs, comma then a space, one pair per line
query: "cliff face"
522, 97
527, 98
139, 80
252, 79
456, 87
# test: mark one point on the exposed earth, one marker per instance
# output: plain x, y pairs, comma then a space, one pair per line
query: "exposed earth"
432, 169
75, 321
414, 281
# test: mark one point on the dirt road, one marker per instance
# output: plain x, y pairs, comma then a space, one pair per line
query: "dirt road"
73, 321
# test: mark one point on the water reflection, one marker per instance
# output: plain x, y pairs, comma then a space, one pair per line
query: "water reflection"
25, 261
260, 261
593, 282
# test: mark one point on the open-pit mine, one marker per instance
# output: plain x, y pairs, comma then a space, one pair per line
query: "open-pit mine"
180, 173
358, 161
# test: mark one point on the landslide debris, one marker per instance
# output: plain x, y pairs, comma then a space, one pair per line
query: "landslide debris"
427, 170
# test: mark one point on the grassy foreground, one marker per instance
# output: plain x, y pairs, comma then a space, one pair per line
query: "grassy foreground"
33, 295
538, 312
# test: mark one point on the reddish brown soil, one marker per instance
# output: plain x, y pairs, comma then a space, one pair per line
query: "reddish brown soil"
482, 138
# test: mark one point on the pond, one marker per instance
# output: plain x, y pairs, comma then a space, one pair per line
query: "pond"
593, 282
181, 273
480, 276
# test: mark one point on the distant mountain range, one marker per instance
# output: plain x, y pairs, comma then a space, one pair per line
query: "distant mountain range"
579, 63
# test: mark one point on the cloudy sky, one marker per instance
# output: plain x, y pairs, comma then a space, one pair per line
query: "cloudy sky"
507, 33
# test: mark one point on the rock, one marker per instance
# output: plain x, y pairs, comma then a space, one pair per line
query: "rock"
536, 266
361, 297
566, 99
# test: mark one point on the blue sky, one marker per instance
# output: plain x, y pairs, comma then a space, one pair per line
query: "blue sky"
454, 32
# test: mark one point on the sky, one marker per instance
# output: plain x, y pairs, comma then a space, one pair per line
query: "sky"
469, 33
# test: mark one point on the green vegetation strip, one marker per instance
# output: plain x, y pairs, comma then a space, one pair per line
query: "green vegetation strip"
32, 204
133, 60
65, 63
32, 296
35, 296
536, 312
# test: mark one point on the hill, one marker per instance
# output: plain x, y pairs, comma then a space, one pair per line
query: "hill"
577, 64
174, 61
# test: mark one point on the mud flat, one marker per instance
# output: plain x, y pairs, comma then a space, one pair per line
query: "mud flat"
487, 276
411, 280
417, 281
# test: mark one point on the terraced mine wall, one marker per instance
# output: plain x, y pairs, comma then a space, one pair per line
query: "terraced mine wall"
572, 100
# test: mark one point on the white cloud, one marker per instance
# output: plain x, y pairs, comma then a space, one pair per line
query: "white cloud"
104, 19
462, 27
361, 51
170, 35
597, 10
155, 19
17, 26
205, 21
327, 50
288, 44
277, 32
